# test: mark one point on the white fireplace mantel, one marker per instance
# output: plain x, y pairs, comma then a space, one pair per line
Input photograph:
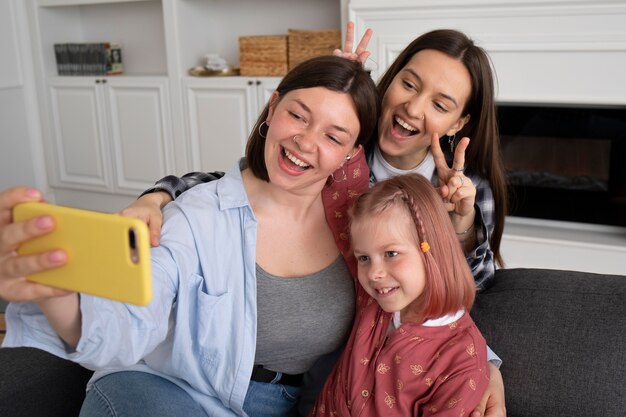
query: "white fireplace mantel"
543, 51
559, 51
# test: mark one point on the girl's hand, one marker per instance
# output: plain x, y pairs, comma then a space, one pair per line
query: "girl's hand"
361, 54
492, 403
13, 267
456, 189
148, 209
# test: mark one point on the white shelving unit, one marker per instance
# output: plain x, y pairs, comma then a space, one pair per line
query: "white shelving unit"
136, 25
204, 121
214, 26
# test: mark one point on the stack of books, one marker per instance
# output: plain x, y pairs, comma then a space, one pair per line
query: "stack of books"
103, 58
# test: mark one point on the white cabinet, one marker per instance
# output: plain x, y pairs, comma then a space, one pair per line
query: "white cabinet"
109, 138
109, 134
104, 137
220, 113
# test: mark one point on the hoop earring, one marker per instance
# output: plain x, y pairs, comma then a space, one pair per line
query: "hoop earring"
344, 177
451, 142
260, 132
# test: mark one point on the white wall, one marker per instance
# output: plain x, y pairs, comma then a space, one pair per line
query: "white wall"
21, 155
558, 51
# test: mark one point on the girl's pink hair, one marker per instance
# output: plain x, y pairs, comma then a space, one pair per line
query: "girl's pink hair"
449, 281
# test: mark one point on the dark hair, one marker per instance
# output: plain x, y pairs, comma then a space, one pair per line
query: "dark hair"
449, 281
331, 72
483, 156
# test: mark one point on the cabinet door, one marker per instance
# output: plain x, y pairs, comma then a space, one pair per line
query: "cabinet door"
264, 88
220, 113
140, 132
79, 156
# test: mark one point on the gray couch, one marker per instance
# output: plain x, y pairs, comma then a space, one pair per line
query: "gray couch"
561, 334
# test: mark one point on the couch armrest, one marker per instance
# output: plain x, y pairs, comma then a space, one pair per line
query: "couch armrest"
561, 337
36, 383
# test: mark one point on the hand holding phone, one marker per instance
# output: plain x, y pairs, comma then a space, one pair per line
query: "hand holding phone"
108, 255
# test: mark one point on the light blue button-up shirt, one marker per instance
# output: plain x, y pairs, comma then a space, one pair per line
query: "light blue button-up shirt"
199, 331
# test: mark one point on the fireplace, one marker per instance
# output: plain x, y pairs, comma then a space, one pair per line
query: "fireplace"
561, 90
565, 162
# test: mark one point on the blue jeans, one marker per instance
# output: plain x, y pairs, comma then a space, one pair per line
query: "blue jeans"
265, 399
136, 394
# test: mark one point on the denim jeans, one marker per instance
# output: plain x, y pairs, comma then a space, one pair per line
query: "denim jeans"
136, 394
265, 399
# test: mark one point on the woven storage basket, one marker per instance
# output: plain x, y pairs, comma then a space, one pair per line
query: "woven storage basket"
263, 55
305, 44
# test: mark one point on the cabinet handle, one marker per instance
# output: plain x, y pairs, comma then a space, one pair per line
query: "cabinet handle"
258, 82
250, 83
104, 81
97, 81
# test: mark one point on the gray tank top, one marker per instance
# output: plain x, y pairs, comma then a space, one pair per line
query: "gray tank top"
301, 319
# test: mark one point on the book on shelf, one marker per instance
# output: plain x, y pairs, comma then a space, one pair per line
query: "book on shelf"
114, 59
95, 58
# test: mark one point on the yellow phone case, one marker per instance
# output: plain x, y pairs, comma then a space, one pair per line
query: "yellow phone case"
109, 255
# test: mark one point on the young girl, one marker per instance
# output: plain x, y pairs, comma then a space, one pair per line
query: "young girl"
413, 349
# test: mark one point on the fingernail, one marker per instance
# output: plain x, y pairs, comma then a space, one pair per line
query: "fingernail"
56, 256
33, 193
44, 222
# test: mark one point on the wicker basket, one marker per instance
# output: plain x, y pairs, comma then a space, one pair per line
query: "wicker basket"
305, 44
263, 55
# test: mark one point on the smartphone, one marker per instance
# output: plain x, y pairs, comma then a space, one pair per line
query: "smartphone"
108, 255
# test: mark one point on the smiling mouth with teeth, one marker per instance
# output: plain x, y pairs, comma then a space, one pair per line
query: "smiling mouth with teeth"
403, 127
385, 290
295, 160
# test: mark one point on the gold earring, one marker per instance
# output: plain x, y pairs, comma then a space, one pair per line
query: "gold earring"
343, 175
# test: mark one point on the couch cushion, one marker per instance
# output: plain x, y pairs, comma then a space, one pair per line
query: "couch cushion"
562, 337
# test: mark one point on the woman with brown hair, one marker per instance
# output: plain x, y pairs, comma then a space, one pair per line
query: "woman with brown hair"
235, 255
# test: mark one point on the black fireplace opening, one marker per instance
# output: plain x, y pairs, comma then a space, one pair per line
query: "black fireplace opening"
565, 162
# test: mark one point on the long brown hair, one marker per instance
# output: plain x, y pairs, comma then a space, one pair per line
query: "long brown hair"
331, 72
483, 156
449, 281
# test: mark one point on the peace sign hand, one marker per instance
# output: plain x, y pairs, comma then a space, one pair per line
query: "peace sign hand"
456, 189
361, 53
